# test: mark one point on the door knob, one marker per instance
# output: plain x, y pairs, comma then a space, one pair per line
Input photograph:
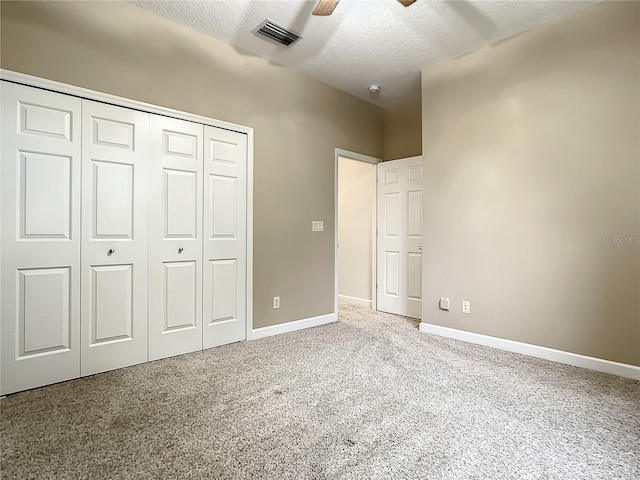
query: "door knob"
420, 247
180, 250
111, 251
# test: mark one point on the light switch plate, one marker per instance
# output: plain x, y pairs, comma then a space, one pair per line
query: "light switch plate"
317, 226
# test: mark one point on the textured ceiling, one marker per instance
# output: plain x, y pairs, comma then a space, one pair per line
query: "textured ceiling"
366, 42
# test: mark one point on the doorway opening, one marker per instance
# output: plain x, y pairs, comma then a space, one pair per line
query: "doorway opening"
355, 229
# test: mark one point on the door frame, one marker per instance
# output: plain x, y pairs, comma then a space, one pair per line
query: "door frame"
339, 152
43, 83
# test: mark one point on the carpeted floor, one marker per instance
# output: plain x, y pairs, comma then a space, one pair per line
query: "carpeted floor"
364, 398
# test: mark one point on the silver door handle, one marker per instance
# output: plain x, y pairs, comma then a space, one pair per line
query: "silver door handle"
111, 251
180, 250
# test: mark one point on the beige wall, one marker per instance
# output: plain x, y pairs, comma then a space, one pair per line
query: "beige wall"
123, 50
532, 161
403, 130
356, 203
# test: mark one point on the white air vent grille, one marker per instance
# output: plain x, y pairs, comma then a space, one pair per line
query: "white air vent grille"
276, 33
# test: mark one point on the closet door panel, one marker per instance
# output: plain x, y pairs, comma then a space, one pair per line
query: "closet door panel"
181, 296
43, 310
112, 300
175, 240
224, 294
40, 237
114, 246
225, 243
180, 203
113, 209
45, 195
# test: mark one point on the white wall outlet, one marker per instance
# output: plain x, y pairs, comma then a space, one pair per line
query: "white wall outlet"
276, 302
445, 303
466, 306
317, 226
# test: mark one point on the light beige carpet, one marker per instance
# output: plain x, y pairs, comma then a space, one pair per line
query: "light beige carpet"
368, 397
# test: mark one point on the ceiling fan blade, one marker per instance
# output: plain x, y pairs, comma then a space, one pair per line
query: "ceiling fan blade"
406, 3
325, 7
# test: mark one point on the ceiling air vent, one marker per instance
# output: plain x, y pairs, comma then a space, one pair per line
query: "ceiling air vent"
276, 33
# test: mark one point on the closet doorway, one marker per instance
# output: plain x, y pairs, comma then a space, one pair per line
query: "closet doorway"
355, 229
126, 232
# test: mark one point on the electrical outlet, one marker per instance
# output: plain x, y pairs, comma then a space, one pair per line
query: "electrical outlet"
317, 226
276, 302
466, 306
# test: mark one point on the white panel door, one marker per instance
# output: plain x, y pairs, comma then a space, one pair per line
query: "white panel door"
114, 237
399, 276
175, 240
40, 237
225, 237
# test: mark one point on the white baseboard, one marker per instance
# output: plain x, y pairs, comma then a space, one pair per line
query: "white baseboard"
263, 332
354, 300
592, 363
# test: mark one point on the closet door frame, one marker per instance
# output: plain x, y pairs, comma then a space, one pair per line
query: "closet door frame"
32, 81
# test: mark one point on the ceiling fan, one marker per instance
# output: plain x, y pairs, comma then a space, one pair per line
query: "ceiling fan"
326, 7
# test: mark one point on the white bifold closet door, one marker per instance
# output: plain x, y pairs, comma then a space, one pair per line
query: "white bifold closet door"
115, 163
40, 237
175, 237
225, 241
123, 235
